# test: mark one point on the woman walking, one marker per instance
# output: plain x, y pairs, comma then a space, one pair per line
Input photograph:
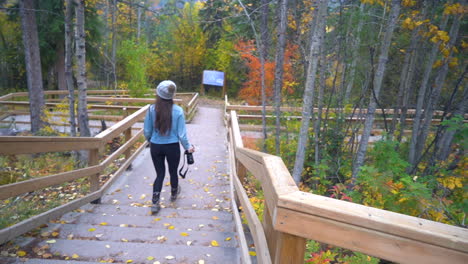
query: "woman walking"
164, 129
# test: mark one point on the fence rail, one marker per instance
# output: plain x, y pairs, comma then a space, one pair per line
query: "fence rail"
292, 216
33, 144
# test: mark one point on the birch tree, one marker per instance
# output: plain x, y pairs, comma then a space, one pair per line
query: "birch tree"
308, 101
69, 63
377, 86
279, 60
32, 58
80, 49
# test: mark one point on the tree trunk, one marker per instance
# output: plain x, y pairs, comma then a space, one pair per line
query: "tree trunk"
308, 104
265, 10
279, 60
60, 67
114, 42
32, 58
318, 121
421, 96
80, 40
435, 94
445, 143
377, 85
68, 64
354, 56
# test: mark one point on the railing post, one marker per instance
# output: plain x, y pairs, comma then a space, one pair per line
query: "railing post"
128, 152
283, 247
93, 159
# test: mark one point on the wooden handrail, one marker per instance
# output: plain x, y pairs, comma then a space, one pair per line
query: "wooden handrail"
295, 215
357, 111
119, 127
29, 145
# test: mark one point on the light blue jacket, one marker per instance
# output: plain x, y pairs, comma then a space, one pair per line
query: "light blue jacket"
177, 132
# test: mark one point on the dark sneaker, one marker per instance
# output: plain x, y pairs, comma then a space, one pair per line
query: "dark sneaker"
175, 193
155, 208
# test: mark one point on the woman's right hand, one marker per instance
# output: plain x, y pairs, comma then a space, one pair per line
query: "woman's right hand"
191, 149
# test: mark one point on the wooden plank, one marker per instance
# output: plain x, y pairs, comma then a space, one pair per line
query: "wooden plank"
121, 126
290, 249
244, 250
236, 131
6, 97
120, 99
10, 145
11, 232
364, 239
14, 189
256, 228
413, 228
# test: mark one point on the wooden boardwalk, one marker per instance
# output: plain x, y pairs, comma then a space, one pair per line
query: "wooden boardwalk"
197, 228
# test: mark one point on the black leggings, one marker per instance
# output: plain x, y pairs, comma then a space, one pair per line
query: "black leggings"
159, 152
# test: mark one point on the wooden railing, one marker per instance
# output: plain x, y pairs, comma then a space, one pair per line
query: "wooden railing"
292, 216
29, 145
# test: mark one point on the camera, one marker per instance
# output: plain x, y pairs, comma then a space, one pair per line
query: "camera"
189, 157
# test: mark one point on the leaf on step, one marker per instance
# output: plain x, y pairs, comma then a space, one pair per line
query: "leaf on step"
201, 261
184, 234
21, 253
75, 256
228, 239
129, 261
123, 240
215, 218
103, 223
189, 243
45, 234
47, 255
99, 235
170, 257
214, 243
51, 241
129, 196
201, 225
55, 234
150, 258
108, 246
168, 183
252, 253
156, 262
115, 201
206, 189
70, 236
162, 238
171, 227
123, 225
167, 224
92, 229
143, 196
156, 219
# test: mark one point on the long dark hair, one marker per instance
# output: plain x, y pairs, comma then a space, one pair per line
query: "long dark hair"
163, 120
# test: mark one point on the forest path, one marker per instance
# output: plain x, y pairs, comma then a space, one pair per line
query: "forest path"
197, 228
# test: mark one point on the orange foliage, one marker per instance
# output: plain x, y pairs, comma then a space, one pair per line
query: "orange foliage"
251, 90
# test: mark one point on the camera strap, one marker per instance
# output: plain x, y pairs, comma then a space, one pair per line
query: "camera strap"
181, 172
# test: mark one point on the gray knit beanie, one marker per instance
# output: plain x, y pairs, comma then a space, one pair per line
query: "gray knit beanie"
166, 90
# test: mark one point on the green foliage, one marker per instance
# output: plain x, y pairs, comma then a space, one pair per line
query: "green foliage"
134, 56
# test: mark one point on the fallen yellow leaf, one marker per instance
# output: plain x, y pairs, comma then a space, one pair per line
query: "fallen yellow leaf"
143, 196
215, 218
171, 227
201, 261
170, 257
92, 229
129, 261
21, 253
252, 253
150, 258
157, 219
103, 223
51, 241
75, 256
184, 234
214, 243
227, 239
55, 234
124, 240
